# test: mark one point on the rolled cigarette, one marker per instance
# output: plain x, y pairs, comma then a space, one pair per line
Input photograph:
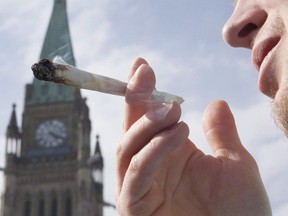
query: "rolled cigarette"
59, 71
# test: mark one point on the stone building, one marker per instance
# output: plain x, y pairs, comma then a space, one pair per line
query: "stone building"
49, 169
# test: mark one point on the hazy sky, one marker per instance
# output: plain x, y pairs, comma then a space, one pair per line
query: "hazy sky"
181, 40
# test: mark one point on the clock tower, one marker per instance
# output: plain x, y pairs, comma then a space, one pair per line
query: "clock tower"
49, 167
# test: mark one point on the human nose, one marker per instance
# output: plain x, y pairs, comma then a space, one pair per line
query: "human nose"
244, 23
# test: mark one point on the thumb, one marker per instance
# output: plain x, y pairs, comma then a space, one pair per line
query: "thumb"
221, 132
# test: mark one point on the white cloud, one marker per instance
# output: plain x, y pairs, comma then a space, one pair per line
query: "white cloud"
282, 211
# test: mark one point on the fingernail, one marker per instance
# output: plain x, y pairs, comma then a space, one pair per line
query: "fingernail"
175, 127
134, 80
159, 111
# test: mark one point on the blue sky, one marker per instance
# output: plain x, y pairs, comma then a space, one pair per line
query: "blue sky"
181, 40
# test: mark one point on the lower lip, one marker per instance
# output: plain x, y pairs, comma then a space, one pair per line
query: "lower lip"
265, 79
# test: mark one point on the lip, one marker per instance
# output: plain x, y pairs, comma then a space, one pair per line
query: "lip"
262, 54
262, 50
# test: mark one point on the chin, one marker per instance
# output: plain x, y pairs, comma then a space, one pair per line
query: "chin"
280, 110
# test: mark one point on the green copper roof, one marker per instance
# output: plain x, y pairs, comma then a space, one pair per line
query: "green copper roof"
57, 42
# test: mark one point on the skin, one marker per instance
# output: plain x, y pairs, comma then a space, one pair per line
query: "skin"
253, 25
161, 172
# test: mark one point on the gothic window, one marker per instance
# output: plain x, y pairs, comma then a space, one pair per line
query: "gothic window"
97, 175
41, 207
7, 197
27, 208
83, 189
67, 197
68, 206
54, 207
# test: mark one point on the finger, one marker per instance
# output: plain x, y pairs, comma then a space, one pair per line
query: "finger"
140, 188
136, 64
141, 132
140, 86
221, 131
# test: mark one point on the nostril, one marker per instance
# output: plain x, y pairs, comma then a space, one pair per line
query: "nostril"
247, 29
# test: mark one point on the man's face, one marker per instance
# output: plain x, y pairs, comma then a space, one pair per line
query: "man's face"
261, 25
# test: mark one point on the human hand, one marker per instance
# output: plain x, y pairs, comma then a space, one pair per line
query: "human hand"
161, 172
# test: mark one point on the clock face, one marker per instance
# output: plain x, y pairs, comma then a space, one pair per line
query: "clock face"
51, 133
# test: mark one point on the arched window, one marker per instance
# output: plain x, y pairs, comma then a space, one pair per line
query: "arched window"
41, 203
27, 207
68, 206
54, 205
97, 175
83, 189
41, 208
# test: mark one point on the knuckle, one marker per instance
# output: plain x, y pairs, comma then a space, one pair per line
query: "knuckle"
119, 149
134, 164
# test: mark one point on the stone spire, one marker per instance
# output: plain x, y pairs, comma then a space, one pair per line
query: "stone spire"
97, 151
96, 160
13, 135
57, 42
96, 163
12, 131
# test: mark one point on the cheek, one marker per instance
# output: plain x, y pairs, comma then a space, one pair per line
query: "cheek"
282, 77
280, 66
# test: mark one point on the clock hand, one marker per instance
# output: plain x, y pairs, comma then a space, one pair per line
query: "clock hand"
56, 135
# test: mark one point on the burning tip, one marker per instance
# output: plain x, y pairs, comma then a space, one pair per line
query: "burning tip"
44, 70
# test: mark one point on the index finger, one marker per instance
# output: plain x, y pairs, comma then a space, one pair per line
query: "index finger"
140, 86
